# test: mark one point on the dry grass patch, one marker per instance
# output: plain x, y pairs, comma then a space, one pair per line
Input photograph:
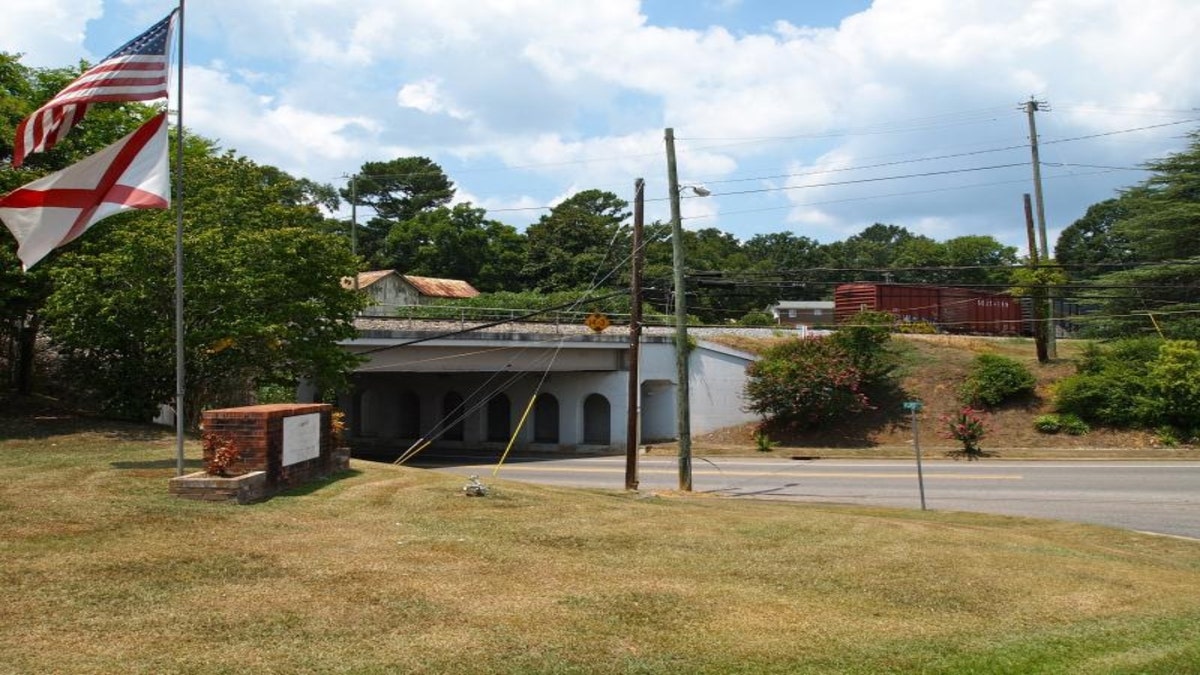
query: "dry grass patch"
390, 569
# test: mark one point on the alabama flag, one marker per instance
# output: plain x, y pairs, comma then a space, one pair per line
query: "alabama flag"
52, 211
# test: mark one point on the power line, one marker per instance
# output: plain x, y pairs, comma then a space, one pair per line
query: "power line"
857, 181
867, 166
887, 195
953, 268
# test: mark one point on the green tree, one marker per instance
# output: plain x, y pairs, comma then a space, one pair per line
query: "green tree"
401, 188
1163, 222
962, 261
396, 191
580, 241
1160, 220
711, 254
459, 243
922, 252
981, 259
785, 267
23, 294
785, 252
875, 248
506, 258
264, 302
1089, 246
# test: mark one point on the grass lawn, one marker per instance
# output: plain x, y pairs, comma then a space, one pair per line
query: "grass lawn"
393, 570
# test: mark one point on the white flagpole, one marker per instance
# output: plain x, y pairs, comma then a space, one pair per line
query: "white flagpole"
179, 370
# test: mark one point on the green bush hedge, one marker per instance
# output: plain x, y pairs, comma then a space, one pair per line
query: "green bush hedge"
994, 379
805, 382
1067, 423
1143, 383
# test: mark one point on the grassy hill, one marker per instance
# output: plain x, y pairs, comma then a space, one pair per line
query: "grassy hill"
934, 367
390, 569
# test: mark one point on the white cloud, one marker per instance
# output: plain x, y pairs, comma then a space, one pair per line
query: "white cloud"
550, 96
427, 97
260, 126
49, 32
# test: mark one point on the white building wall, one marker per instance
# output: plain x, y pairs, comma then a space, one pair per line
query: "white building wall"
717, 381
389, 294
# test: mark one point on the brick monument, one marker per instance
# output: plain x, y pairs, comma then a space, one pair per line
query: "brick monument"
256, 451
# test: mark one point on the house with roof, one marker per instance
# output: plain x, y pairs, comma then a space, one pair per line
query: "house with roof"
389, 290
811, 313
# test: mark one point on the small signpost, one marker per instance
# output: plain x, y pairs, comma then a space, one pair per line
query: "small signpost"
914, 407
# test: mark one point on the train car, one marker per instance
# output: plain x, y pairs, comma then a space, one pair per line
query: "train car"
953, 310
908, 303
1067, 315
966, 310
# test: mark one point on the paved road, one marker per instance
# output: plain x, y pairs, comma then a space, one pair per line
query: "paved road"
1161, 497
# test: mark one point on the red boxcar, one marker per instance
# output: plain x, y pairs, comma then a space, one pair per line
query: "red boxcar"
954, 310
908, 303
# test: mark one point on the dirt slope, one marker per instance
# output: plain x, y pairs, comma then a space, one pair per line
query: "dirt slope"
935, 366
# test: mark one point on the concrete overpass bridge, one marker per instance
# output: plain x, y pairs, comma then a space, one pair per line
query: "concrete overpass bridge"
476, 390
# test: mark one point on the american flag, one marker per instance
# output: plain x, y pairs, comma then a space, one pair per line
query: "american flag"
135, 72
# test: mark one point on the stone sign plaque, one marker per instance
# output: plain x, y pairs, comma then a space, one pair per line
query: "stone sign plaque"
301, 438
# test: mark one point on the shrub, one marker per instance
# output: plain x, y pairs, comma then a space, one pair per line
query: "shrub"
1074, 426
1108, 398
1052, 424
220, 454
763, 442
864, 339
1166, 437
1175, 382
757, 319
967, 426
1048, 424
1136, 383
994, 379
805, 382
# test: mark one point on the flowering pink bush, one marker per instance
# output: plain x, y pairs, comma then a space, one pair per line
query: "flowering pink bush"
805, 383
967, 426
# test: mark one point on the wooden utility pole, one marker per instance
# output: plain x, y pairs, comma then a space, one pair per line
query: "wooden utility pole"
1031, 106
1039, 291
354, 225
682, 401
635, 338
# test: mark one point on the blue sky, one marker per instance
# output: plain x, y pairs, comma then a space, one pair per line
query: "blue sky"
817, 118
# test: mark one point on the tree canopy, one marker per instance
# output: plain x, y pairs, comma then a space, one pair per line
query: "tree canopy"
264, 301
396, 191
23, 294
1141, 251
579, 242
457, 243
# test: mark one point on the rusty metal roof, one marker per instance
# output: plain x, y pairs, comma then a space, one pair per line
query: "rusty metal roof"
366, 278
426, 286
441, 288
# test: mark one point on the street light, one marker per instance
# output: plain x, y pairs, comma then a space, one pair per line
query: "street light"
682, 394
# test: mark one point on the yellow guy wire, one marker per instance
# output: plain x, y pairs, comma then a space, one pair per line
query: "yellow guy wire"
515, 434
412, 451
1156, 326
